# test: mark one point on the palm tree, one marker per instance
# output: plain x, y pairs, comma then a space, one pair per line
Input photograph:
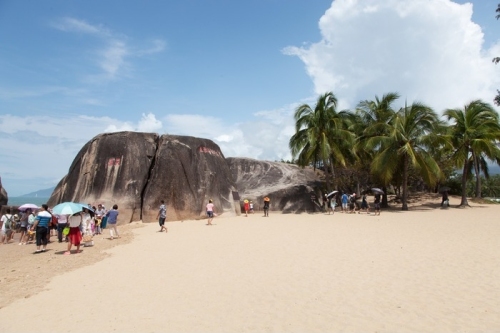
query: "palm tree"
375, 116
410, 131
317, 132
475, 134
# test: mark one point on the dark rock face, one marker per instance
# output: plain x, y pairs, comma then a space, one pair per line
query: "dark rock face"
4, 198
187, 172
288, 186
138, 170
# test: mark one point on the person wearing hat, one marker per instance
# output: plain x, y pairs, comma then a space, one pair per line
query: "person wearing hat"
99, 214
246, 207
266, 206
352, 203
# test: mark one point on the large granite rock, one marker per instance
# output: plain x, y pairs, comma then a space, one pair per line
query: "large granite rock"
186, 173
289, 186
4, 198
138, 170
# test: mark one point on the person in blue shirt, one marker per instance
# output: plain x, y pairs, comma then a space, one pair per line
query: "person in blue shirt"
345, 201
112, 216
41, 226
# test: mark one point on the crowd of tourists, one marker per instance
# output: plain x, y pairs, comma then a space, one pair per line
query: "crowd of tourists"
349, 203
39, 225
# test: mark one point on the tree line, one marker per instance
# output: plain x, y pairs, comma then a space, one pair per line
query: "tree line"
378, 145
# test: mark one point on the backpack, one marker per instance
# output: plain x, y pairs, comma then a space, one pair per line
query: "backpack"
8, 222
54, 220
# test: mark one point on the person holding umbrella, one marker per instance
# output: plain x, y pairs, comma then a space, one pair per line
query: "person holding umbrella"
75, 235
24, 226
378, 192
246, 207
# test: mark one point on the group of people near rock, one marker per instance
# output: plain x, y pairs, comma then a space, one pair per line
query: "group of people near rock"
349, 204
74, 229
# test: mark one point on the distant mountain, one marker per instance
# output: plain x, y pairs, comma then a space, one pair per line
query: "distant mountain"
40, 193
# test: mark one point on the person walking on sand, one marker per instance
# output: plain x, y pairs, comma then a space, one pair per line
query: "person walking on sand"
112, 216
333, 202
7, 226
210, 211
75, 235
364, 204
376, 204
24, 227
41, 225
246, 207
62, 222
162, 216
445, 199
352, 203
266, 206
345, 200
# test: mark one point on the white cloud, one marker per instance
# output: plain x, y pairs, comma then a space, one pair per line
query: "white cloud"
112, 59
264, 135
149, 123
158, 45
70, 24
429, 51
44, 147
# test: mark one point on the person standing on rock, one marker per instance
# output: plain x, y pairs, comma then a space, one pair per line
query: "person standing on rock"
162, 215
210, 211
112, 218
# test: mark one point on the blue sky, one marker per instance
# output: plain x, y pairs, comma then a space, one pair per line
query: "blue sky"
230, 71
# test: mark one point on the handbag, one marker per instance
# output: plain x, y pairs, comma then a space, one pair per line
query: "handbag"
65, 231
87, 238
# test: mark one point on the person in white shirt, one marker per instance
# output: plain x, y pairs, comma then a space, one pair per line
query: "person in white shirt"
7, 225
62, 221
74, 236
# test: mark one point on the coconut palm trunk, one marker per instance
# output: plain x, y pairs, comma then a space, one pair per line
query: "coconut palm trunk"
478, 175
405, 184
464, 201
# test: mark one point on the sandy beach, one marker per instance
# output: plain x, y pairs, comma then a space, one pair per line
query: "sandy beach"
425, 270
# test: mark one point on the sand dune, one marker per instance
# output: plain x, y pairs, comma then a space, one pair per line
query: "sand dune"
426, 270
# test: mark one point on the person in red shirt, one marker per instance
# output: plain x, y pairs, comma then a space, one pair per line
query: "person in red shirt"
246, 206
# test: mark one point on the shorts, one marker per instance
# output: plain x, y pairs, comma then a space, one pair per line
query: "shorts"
8, 233
344, 205
210, 214
364, 205
24, 229
161, 221
377, 206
